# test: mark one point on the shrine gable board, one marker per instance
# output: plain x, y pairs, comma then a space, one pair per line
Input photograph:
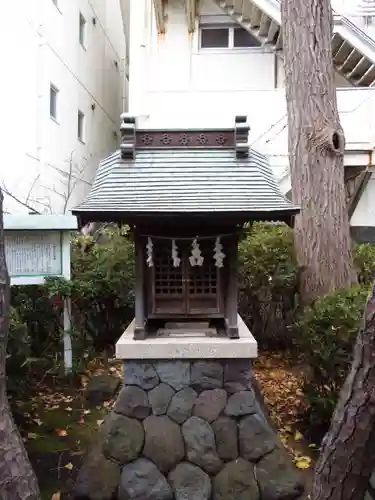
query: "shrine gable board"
38, 246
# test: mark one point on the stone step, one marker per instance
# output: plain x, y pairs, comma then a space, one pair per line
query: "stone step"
186, 332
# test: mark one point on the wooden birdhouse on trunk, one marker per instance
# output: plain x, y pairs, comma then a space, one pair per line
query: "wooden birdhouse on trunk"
187, 195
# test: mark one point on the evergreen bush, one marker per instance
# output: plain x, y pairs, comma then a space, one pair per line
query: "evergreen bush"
101, 291
325, 336
269, 284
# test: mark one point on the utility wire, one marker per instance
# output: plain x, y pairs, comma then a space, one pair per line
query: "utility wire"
104, 31
71, 72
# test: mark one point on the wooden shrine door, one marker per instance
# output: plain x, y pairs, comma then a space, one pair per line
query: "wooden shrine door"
185, 291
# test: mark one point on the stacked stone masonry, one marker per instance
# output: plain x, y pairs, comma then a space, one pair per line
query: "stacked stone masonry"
188, 430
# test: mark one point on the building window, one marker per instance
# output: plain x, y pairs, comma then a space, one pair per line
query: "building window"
242, 38
214, 38
226, 37
81, 126
53, 95
82, 30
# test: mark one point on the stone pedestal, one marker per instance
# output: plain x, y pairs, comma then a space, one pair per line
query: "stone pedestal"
186, 427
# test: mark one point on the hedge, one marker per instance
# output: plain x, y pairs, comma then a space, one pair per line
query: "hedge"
102, 296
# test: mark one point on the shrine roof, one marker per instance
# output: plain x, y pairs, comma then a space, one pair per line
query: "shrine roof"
191, 180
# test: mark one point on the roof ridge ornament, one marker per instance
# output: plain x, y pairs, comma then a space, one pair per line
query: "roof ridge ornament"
128, 129
241, 134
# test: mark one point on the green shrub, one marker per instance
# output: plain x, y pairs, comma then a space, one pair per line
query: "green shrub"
18, 352
268, 283
325, 336
101, 288
364, 259
18, 341
40, 344
101, 291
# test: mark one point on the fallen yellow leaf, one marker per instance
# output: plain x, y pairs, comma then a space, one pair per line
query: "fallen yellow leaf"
303, 462
298, 436
56, 496
69, 466
284, 440
32, 435
61, 432
99, 422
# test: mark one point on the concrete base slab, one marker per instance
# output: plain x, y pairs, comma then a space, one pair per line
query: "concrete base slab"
187, 344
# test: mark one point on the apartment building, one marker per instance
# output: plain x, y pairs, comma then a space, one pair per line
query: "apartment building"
61, 95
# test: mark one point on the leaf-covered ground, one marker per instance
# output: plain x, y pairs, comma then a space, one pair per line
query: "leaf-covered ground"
281, 382
57, 423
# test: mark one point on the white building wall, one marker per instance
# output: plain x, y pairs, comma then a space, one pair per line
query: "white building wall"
175, 64
174, 84
364, 214
43, 163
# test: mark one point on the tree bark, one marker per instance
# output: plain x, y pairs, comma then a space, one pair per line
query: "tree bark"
347, 457
17, 478
316, 149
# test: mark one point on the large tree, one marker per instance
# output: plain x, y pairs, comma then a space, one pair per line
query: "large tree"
17, 478
316, 149
347, 456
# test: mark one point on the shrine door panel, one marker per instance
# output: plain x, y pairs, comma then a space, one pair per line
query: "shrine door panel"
203, 283
169, 293
185, 290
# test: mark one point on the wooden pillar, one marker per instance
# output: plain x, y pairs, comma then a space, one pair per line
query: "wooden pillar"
232, 290
139, 327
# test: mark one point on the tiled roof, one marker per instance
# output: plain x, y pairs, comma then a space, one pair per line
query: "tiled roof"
185, 181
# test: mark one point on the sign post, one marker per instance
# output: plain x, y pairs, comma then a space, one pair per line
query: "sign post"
37, 247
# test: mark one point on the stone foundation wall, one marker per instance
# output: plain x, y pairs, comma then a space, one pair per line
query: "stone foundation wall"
188, 430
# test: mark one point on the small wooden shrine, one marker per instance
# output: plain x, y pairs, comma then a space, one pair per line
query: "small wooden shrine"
187, 195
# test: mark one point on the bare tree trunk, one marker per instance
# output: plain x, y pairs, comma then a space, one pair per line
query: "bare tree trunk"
347, 456
17, 478
316, 149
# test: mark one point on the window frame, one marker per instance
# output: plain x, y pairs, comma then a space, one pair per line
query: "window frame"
53, 90
230, 27
81, 126
82, 30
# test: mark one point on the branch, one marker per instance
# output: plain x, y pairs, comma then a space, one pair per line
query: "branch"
53, 190
31, 188
66, 174
73, 180
26, 205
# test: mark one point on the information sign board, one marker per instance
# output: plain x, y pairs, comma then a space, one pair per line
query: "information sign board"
33, 254
36, 247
